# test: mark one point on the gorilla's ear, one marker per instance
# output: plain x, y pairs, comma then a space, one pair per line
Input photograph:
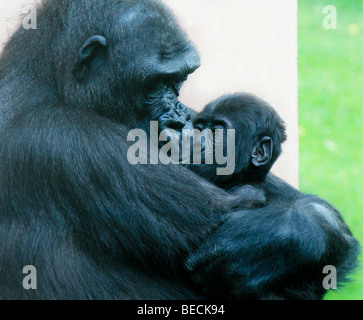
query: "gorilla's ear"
262, 152
93, 49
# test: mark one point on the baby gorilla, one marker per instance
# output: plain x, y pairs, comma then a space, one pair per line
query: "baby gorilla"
259, 133
302, 233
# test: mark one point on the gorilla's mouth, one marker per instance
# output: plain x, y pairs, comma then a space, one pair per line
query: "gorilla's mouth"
162, 102
176, 118
173, 117
175, 124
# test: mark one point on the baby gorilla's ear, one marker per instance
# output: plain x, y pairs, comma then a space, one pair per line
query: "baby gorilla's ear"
262, 152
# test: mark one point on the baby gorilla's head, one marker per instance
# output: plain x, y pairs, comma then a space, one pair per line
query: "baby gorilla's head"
259, 133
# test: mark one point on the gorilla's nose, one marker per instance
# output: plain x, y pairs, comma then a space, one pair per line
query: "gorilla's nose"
192, 60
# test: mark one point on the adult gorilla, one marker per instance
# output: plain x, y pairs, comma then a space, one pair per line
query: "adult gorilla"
94, 226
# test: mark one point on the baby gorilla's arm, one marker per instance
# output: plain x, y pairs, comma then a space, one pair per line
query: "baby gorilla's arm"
244, 197
247, 196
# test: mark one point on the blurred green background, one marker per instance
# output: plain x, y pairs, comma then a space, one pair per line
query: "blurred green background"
331, 115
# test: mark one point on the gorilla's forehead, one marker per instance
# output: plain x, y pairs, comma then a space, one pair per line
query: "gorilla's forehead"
154, 33
141, 15
150, 26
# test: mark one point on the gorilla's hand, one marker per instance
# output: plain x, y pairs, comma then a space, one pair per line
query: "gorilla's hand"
243, 258
217, 266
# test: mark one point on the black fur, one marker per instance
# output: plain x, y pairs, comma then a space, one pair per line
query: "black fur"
94, 226
277, 251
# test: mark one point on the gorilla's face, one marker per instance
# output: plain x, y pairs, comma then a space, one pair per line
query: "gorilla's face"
154, 57
132, 68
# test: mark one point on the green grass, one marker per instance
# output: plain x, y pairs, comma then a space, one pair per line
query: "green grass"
331, 115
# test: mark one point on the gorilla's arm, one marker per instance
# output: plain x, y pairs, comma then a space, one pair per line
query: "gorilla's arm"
91, 219
275, 252
66, 169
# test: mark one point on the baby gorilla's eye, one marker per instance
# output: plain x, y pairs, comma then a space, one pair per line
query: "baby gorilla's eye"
218, 126
199, 126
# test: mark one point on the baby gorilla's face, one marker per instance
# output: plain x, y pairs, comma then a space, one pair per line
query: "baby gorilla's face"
217, 143
216, 127
258, 132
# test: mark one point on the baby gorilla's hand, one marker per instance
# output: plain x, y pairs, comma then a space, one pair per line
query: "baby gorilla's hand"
247, 197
